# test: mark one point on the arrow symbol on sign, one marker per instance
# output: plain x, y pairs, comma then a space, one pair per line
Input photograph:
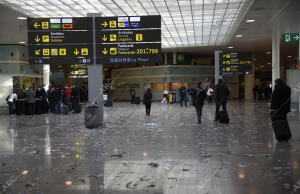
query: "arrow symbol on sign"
297, 37
104, 38
36, 25
76, 52
37, 39
104, 24
105, 51
37, 52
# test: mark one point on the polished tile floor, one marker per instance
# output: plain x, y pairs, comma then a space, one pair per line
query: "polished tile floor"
167, 153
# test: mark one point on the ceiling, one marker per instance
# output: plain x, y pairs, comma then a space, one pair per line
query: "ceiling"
189, 26
185, 23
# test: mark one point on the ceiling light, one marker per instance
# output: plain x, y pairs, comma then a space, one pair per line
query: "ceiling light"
269, 63
239, 36
268, 53
289, 56
230, 47
250, 21
59, 66
262, 66
21, 18
254, 59
68, 183
22, 42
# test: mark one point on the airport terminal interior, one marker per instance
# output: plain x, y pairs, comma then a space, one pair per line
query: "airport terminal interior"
74, 96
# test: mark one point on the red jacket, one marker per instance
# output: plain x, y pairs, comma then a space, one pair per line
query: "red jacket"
68, 92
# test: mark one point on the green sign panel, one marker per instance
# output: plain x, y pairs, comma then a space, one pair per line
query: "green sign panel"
291, 37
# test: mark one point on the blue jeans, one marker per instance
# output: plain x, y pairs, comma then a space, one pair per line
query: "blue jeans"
11, 108
57, 107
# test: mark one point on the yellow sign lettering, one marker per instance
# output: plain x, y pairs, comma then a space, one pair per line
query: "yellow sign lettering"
37, 38
121, 25
45, 38
37, 52
139, 37
54, 52
113, 24
62, 51
76, 52
84, 51
113, 51
45, 25
105, 51
46, 52
36, 25
112, 37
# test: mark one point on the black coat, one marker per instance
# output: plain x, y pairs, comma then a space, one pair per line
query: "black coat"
222, 93
281, 98
199, 96
75, 92
147, 98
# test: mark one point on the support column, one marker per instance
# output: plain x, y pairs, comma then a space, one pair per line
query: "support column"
46, 76
275, 55
166, 58
249, 81
217, 66
95, 76
174, 58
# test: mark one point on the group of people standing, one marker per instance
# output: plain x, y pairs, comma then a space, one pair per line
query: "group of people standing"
262, 92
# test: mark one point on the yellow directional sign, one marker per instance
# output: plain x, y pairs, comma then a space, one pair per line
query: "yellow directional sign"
84, 51
121, 25
228, 69
105, 51
46, 52
104, 24
76, 52
37, 38
104, 38
228, 62
139, 37
113, 51
36, 25
54, 52
45, 38
37, 52
113, 24
112, 37
45, 25
62, 51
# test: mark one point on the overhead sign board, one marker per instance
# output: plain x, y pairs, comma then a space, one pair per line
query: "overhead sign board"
291, 37
128, 22
235, 63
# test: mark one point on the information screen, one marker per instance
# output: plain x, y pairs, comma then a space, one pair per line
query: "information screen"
235, 63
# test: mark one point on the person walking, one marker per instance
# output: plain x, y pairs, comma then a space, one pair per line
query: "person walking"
132, 94
147, 101
75, 94
279, 108
30, 95
210, 93
11, 103
222, 94
165, 97
199, 96
182, 95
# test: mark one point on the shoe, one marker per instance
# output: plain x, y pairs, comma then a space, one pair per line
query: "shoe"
199, 122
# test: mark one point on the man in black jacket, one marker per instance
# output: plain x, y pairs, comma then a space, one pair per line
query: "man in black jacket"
75, 95
222, 94
281, 100
199, 96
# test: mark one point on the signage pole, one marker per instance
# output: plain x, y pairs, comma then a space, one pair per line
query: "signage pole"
217, 66
95, 75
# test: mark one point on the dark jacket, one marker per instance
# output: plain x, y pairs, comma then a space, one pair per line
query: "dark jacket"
75, 92
182, 92
30, 95
199, 96
281, 97
147, 98
222, 93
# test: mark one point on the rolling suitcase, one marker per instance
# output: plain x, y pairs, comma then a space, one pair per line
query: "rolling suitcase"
136, 100
281, 130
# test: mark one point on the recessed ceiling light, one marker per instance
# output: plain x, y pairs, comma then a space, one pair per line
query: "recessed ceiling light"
250, 21
289, 56
21, 18
230, 47
268, 53
22, 42
269, 63
239, 36
59, 66
254, 59
262, 66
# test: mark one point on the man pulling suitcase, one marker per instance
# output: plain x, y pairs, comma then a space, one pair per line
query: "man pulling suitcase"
280, 106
